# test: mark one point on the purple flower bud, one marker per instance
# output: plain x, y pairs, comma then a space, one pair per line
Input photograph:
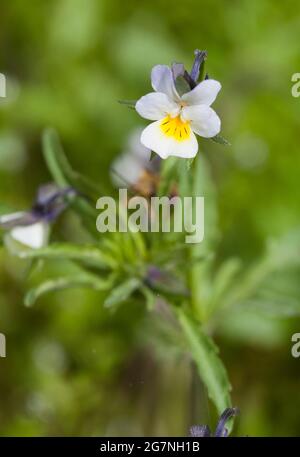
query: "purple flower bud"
200, 57
221, 430
200, 431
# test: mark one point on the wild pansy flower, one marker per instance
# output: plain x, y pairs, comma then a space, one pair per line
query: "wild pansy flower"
31, 228
221, 430
179, 111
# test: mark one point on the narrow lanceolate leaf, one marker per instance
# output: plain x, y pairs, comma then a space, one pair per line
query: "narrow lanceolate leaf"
65, 172
150, 298
220, 140
279, 307
223, 280
52, 151
185, 177
122, 292
129, 103
80, 280
281, 255
87, 255
285, 251
209, 365
168, 168
64, 176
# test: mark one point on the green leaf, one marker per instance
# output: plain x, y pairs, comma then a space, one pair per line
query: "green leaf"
281, 255
185, 177
129, 103
278, 296
209, 365
220, 140
88, 255
80, 280
150, 297
52, 151
248, 283
247, 327
168, 171
139, 244
285, 251
61, 167
122, 292
276, 307
223, 279
64, 176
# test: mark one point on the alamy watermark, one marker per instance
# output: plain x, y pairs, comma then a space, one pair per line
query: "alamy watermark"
296, 87
139, 214
296, 347
2, 345
2, 85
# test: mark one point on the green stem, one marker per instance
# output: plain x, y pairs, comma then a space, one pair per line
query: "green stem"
209, 365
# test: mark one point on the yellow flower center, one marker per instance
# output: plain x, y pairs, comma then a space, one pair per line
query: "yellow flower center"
176, 128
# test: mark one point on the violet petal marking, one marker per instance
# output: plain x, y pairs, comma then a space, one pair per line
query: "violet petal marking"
49, 204
177, 70
20, 218
46, 192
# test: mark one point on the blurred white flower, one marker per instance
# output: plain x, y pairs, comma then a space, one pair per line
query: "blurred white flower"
34, 236
128, 167
177, 118
32, 227
28, 231
133, 167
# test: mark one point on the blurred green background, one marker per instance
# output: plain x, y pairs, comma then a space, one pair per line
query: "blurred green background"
73, 368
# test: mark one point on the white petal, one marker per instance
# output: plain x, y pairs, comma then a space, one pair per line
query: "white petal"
126, 170
135, 147
34, 236
162, 81
204, 120
165, 146
156, 105
204, 93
